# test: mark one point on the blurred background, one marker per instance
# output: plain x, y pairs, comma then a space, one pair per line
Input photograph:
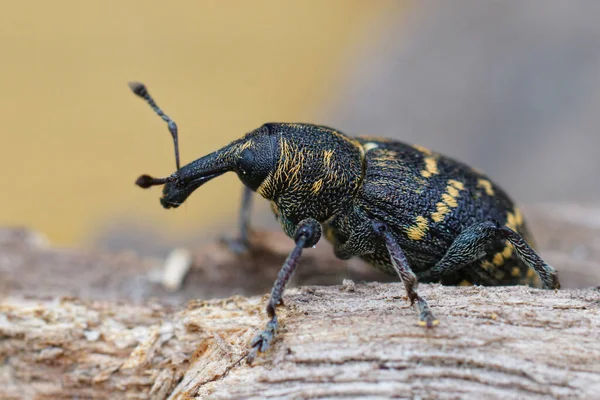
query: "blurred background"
512, 87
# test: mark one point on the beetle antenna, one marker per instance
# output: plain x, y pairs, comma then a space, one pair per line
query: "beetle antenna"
146, 181
140, 90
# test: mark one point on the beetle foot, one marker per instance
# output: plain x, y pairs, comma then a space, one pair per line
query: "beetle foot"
426, 317
262, 341
428, 320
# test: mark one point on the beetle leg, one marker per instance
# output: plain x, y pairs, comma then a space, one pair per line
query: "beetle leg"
470, 246
407, 276
241, 243
308, 233
546, 272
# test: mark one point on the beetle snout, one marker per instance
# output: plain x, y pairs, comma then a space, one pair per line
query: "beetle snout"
169, 201
175, 193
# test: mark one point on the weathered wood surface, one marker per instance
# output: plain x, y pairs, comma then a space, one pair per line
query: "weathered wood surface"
81, 324
335, 341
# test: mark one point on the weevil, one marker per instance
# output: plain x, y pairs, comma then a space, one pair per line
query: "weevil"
403, 208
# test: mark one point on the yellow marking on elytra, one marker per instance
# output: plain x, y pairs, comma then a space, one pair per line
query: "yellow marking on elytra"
452, 191
486, 185
498, 259
518, 217
370, 146
386, 155
422, 149
327, 154
508, 250
317, 186
487, 266
516, 271
441, 210
387, 159
456, 184
418, 230
530, 273
511, 221
431, 167
451, 201
465, 282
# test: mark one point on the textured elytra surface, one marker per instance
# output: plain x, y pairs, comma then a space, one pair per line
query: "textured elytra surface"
361, 339
428, 199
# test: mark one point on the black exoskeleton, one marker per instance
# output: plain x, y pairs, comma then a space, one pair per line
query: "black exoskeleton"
404, 209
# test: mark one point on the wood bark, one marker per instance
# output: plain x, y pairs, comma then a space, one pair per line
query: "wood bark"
82, 324
352, 340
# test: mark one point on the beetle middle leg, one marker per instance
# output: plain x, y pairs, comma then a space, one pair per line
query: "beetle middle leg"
241, 243
407, 276
308, 233
470, 246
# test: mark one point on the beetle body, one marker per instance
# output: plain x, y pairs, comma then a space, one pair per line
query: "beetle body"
404, 209
427, 199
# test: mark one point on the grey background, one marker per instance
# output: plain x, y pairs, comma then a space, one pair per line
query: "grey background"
512, 87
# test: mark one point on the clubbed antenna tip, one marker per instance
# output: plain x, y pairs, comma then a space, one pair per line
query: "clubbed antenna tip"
138, 88
146, 181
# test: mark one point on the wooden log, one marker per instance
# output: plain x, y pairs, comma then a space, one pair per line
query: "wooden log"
90, 324
350, 340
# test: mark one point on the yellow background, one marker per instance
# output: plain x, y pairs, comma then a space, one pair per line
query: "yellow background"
74, 138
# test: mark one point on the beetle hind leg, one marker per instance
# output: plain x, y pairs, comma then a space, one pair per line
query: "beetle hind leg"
471, 244
546, 272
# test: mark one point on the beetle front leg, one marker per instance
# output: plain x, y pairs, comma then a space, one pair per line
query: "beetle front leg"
407, 276
308, 233
241, 243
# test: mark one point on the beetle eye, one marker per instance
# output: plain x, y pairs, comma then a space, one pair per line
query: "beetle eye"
246, 161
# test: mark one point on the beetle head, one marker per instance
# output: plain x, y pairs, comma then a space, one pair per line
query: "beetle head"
252, 157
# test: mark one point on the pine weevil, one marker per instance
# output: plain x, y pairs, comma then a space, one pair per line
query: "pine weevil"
404, 209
